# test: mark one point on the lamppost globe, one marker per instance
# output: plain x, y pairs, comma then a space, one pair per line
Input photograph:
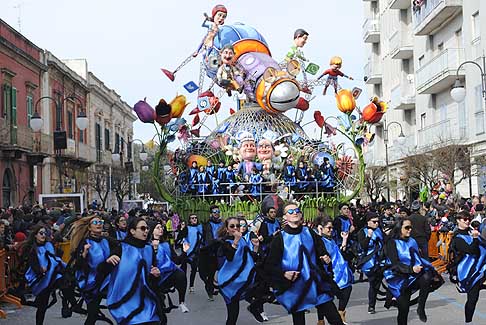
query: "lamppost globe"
115, 156
82, 121
458, 92
401, 139
145, 168
36, 122
143, 155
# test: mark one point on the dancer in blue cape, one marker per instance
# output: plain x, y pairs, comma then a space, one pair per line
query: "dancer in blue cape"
468, 267
119, 232
295, 265
131, 292
370, 256
45, 273
167, 261
408, 272
93, 261
343, 276
192, 235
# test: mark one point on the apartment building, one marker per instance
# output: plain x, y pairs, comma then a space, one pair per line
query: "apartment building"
414, 50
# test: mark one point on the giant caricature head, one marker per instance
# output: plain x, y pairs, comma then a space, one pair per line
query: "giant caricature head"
247, 146
265, 149
227, 54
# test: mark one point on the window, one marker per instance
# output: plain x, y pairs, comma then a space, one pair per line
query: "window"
98, 141
440, 47
13, 117
422, 121
421, 61
129, 150
117, 143
476, 29
478, 110
30, 108
70, 125
107, 139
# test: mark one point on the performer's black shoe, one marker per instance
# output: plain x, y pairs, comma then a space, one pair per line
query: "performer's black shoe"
371, 310
255, 313
421, 315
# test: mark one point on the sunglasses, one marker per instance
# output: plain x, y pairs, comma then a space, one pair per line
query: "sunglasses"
215, 211
98, 222
374, 221
466, 219
143, 228
293, 211
194, 218
243, 225
42, 233
407, 227
232, 226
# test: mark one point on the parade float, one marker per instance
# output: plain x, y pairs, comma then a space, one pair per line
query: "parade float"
258, 150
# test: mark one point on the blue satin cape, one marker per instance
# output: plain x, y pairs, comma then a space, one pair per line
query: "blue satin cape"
130, 300
237, 275
372, 256
470, 269
309, 289
343, 276
164, 262
53, 265
194, 238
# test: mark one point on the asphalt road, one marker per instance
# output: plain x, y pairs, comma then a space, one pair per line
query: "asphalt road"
445, 306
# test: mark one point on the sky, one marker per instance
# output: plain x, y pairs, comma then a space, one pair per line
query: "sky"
127, 42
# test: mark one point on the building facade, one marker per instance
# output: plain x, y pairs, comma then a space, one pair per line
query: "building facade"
414, 49
21, 150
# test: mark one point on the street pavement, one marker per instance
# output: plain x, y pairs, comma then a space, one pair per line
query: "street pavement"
444, 306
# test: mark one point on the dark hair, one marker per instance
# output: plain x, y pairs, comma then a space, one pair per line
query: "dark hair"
322, 221
341, 205
133, 224
463, 214
396, 232
371, 215
300, 32
222, 231
30, 243
213, 207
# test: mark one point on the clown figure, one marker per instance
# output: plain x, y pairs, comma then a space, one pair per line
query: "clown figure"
228, 75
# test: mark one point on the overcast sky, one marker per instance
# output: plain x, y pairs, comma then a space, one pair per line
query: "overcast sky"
126, 42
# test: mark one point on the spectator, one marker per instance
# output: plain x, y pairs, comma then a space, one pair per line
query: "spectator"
420, 229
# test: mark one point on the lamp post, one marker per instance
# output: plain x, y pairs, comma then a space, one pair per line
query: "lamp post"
36, 123
458, 91
401, 138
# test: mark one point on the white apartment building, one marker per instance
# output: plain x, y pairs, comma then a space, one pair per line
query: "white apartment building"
414, 49
111, 121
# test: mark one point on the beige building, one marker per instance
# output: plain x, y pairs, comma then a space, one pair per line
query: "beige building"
414, 51
111, 121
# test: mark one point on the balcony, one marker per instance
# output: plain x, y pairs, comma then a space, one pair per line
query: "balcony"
403, 96
401, 46
439, 73
433, 14
371, 30
439, 135
372, 72
103, 157
399, 4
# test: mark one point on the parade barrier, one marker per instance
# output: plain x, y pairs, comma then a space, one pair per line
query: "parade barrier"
7, 262
66, 250
442, 241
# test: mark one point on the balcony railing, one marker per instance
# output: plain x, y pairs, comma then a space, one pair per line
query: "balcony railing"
440, 134
372, 72
432, 15
440, 72
400, 4
403, 96
371, 30
401, 46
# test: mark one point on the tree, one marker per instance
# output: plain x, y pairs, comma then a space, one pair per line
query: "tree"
375, 182
120, 184
99, 181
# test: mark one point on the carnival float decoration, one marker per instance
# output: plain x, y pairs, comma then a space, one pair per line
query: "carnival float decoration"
257, 151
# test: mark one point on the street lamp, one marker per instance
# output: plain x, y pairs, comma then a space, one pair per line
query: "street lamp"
401, 140
458, 91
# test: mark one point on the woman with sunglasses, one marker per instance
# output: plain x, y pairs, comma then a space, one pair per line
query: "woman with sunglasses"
343, 276
120, 229
131, 295
370, 256
192, 234
468, 267
208, 260
45, 272
93, 261
167, 258
408, 272
295, 265
237, 273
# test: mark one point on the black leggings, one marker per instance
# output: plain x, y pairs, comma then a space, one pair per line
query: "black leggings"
93, 310
403, 302
178, 280
193, 264
327, 310
472, 300
207, 269
233, 310
344, 299
374, 283
42, 301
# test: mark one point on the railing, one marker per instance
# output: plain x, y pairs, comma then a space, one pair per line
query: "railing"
400, 39
428, 8
372, 69
370, 26
403, 95
442, 133
86, 152
446, 62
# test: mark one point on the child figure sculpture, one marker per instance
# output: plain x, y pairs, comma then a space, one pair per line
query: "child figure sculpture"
333, 73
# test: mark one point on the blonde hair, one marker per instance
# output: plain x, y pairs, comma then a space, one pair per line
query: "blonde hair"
80, 230
336, 60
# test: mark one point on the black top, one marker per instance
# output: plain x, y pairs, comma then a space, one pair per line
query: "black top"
420, 228
392, 253
460, 247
